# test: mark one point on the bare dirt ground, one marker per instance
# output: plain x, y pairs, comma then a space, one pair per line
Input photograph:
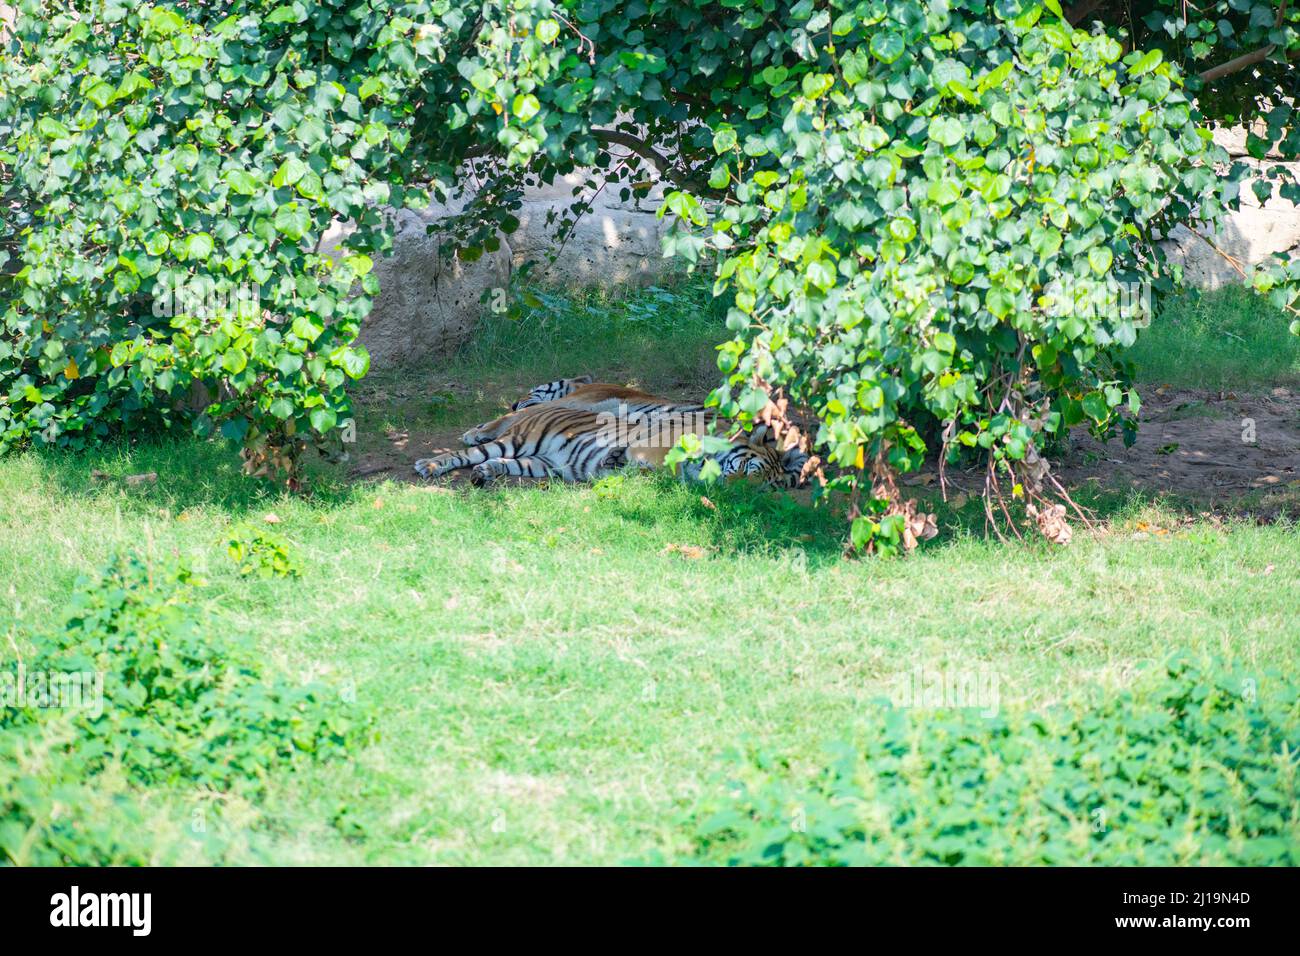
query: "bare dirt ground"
1216, 448
1206, 445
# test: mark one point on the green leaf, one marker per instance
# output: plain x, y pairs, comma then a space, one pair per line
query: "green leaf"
198, 246
101, 94
887, 47
484, 80
323, 419
52, 128
292, 220
241, 182
1045, 241
525, 107
290, 171
1100, 258
902, 229
946, 130
753, 400
1095, 407
287, 13
234, 361
1146, 63
356, 361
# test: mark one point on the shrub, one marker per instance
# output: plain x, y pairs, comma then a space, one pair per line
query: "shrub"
259, 552
1187, 769
184, 707
173, 168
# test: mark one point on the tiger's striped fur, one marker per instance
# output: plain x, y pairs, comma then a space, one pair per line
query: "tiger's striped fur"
550, 391
578, 444
635, 406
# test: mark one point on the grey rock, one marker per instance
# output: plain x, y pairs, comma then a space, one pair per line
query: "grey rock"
617, 242
427, 304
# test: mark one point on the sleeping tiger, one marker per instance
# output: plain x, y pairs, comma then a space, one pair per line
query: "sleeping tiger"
633, 404
576, 430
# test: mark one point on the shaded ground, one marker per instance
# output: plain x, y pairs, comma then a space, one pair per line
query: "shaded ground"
1206, 445
1220, 449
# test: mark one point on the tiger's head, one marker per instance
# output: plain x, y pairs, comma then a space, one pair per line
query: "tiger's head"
757, 456
550, 391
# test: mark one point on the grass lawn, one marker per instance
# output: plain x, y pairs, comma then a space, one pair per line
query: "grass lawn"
1227, 339
553, 672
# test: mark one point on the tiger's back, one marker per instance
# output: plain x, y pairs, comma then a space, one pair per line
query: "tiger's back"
632, 405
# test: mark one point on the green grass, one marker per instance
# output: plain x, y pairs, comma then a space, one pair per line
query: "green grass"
553, 672
552, 683
1227, 339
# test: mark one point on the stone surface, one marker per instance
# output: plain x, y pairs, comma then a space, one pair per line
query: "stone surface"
1251, 235
427, 305
616, 243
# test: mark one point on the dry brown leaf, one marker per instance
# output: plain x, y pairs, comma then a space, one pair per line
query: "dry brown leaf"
1051, 523
147, 478
707, 503
271, 518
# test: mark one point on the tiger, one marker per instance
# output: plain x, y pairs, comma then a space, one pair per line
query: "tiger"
578, 444
634, 405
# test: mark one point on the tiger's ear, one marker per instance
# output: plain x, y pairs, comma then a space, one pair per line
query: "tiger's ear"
581, 380
762, 435
792, 462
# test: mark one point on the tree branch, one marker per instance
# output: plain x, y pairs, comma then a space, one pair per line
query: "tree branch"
1237, 65
665, 167
1075, 14
1246, 60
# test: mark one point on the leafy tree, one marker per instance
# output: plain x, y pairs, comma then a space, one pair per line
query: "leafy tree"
915, 205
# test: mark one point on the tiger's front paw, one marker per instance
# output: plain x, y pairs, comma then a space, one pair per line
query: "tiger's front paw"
430, 467
480, 475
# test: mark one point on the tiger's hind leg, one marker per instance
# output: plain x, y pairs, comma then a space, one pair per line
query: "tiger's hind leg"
537, 395
487, 431
494, 468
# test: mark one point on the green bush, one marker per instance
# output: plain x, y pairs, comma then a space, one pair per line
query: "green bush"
1189, 768
259, 552
185, 709
171, 169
